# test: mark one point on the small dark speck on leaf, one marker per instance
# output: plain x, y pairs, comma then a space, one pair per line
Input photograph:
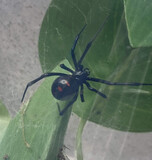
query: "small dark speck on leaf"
6, 157
98, 112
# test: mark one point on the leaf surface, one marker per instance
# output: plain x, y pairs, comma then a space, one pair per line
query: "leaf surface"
110, 57
138, 18
43, 128
4, 119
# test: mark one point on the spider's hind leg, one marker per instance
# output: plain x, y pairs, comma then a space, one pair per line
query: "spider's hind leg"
61, 112
38, 79
81, 93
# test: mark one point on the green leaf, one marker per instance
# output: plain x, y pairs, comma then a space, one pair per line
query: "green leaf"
64, 20
43, 128
111, 58
128, 108
4, 119
138, 18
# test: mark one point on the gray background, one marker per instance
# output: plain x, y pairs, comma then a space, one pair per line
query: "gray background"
19, 30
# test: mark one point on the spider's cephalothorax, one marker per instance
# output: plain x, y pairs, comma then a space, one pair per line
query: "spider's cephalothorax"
81, 75
66, 86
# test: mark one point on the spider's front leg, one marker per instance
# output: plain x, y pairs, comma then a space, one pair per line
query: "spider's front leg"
74, 45
63, 66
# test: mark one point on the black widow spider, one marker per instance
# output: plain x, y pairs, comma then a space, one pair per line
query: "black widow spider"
66, 86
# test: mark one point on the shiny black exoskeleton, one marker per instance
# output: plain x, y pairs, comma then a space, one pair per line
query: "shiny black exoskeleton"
66, 86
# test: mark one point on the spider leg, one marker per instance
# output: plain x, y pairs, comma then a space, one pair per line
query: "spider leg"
90, 43
94, 90
66, 68
61, 112
74, 45
117, 83
81, 93
38, 79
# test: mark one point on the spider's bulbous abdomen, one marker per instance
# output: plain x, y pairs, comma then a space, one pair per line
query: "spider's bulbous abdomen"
64, 87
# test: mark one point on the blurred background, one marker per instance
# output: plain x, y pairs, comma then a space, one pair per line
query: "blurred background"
20, 23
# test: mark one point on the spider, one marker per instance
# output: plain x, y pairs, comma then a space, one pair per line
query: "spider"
67, 86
